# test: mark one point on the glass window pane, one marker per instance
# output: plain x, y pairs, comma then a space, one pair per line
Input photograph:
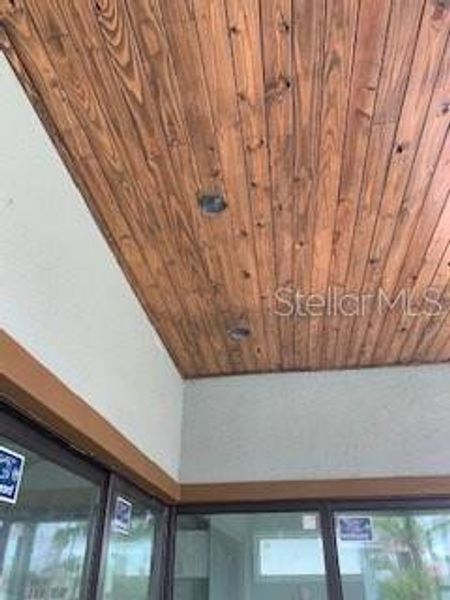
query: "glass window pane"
44, 536
402, 555
131, 544
254, 556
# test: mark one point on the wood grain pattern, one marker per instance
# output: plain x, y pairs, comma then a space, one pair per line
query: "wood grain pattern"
277, 63
340, 35
401, 38
216, 53
409, 173
369, 48
308, 58
244, 26
323, 124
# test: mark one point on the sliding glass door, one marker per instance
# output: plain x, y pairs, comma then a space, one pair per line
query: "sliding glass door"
69, 530
394, 555
381, 550
259, 556
49, 515
130, 559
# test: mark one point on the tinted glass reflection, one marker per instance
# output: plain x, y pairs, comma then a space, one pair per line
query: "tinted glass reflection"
260, 556
44, 536
403, 555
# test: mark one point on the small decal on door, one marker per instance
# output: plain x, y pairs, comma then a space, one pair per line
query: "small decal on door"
355, 529
11, 471
309, 522
123, 510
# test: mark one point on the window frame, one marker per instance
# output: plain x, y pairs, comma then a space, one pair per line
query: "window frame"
118, 486
319, 507
20, 429
32, 434
328, 511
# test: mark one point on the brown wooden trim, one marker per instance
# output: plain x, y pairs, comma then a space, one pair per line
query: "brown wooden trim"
331, 489
33, 389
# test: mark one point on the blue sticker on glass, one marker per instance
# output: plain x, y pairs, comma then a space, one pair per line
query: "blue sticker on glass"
11, 471
355, 529
122, 515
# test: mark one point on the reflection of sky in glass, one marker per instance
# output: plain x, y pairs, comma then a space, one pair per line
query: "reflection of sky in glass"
350, 558
131, 557
130, 553
8, 561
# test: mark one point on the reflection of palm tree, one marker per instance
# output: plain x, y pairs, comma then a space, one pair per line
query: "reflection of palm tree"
410, 579
66, 537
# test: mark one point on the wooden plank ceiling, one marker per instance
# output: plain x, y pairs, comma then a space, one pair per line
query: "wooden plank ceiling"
323, 123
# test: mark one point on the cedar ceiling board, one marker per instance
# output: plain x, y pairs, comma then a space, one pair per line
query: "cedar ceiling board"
277, 64
308, 56
325, 126
397, 57
420, 134
432, 223
367, 61
341, 25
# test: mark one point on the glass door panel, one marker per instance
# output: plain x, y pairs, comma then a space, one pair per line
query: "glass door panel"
47, 529
131, 538
251, 556
395, 555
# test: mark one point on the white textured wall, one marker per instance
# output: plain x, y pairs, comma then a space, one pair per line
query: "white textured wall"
64, 298
365, 423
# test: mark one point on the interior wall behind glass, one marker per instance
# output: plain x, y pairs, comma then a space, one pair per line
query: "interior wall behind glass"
259, 556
